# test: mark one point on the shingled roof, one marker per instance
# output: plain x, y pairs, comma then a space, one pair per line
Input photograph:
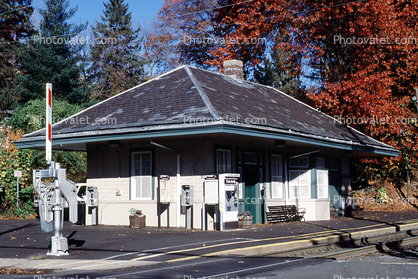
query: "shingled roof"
188, 97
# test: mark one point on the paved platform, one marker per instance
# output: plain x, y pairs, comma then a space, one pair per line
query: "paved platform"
22, 245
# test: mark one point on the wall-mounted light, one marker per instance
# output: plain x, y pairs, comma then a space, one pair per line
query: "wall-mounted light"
280, 143
113, 143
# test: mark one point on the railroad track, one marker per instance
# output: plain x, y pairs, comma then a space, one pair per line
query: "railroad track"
354, 247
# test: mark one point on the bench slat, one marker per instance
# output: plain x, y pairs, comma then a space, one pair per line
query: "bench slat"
284, 213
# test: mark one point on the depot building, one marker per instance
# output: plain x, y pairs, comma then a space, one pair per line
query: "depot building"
151, 142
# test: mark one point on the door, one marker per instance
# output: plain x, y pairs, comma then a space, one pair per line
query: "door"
250, 165
250, 177
335, 192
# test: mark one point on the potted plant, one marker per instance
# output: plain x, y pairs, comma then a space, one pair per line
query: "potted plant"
245, 220
136, 218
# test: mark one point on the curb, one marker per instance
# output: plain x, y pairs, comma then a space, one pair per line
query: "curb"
283, 246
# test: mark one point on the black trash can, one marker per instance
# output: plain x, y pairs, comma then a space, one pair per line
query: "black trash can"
81, 213
2, 195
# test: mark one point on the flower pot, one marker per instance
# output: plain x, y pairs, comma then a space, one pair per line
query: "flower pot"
136, 221
245, 223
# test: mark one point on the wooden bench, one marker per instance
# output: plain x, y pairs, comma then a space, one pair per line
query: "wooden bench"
285, 213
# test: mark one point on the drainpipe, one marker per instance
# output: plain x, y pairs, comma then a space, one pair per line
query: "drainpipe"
178, 192
286, 183
307, 153
178, 185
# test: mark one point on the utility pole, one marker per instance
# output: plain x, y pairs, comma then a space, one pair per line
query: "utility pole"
415, 99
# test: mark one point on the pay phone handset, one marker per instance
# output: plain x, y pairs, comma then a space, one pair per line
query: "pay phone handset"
187, 195
92, 196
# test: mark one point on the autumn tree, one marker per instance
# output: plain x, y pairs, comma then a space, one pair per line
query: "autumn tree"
182, 34
15, 27
12, 159
362, 53
116, 64
362, 56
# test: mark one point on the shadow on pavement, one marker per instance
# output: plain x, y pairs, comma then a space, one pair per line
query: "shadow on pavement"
17, 229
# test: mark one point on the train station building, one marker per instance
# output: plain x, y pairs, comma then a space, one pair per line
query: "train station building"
190, 124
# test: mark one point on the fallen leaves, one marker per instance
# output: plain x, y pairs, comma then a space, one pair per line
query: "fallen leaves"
9, 270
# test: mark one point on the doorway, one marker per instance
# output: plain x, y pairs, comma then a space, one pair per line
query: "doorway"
250, 165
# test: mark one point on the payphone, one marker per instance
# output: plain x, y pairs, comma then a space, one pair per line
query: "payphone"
228, 200
92, 203
187, 195
187, 201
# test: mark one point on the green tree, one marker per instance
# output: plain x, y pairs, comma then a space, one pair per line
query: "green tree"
51, 58
15, 26
26, 160
12, 159
28, 118
31, 117
274, 72
116, 64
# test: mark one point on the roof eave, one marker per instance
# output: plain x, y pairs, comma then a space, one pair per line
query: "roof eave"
63, 140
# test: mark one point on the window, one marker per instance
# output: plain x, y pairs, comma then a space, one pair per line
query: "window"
334, 165
276, 177
320, 163
141, 175
223, 161
250, 158
299, 184
322, 183
299, 162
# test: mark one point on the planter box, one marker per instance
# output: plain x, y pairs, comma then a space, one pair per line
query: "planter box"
245, 223
137, 221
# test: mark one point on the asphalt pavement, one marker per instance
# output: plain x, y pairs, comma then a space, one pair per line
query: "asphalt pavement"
22, 245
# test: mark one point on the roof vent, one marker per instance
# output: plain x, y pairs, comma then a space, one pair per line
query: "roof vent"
234, 68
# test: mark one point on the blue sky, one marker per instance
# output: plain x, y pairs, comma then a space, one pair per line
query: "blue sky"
91, 10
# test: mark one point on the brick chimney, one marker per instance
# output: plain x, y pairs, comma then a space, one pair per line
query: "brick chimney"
234, 68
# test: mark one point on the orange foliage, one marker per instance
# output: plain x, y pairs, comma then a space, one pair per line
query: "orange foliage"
364, 53
7, 137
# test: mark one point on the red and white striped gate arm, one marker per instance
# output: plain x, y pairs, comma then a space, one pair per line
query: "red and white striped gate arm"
48, 138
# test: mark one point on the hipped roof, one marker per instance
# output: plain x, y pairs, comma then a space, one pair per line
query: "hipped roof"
190, 99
